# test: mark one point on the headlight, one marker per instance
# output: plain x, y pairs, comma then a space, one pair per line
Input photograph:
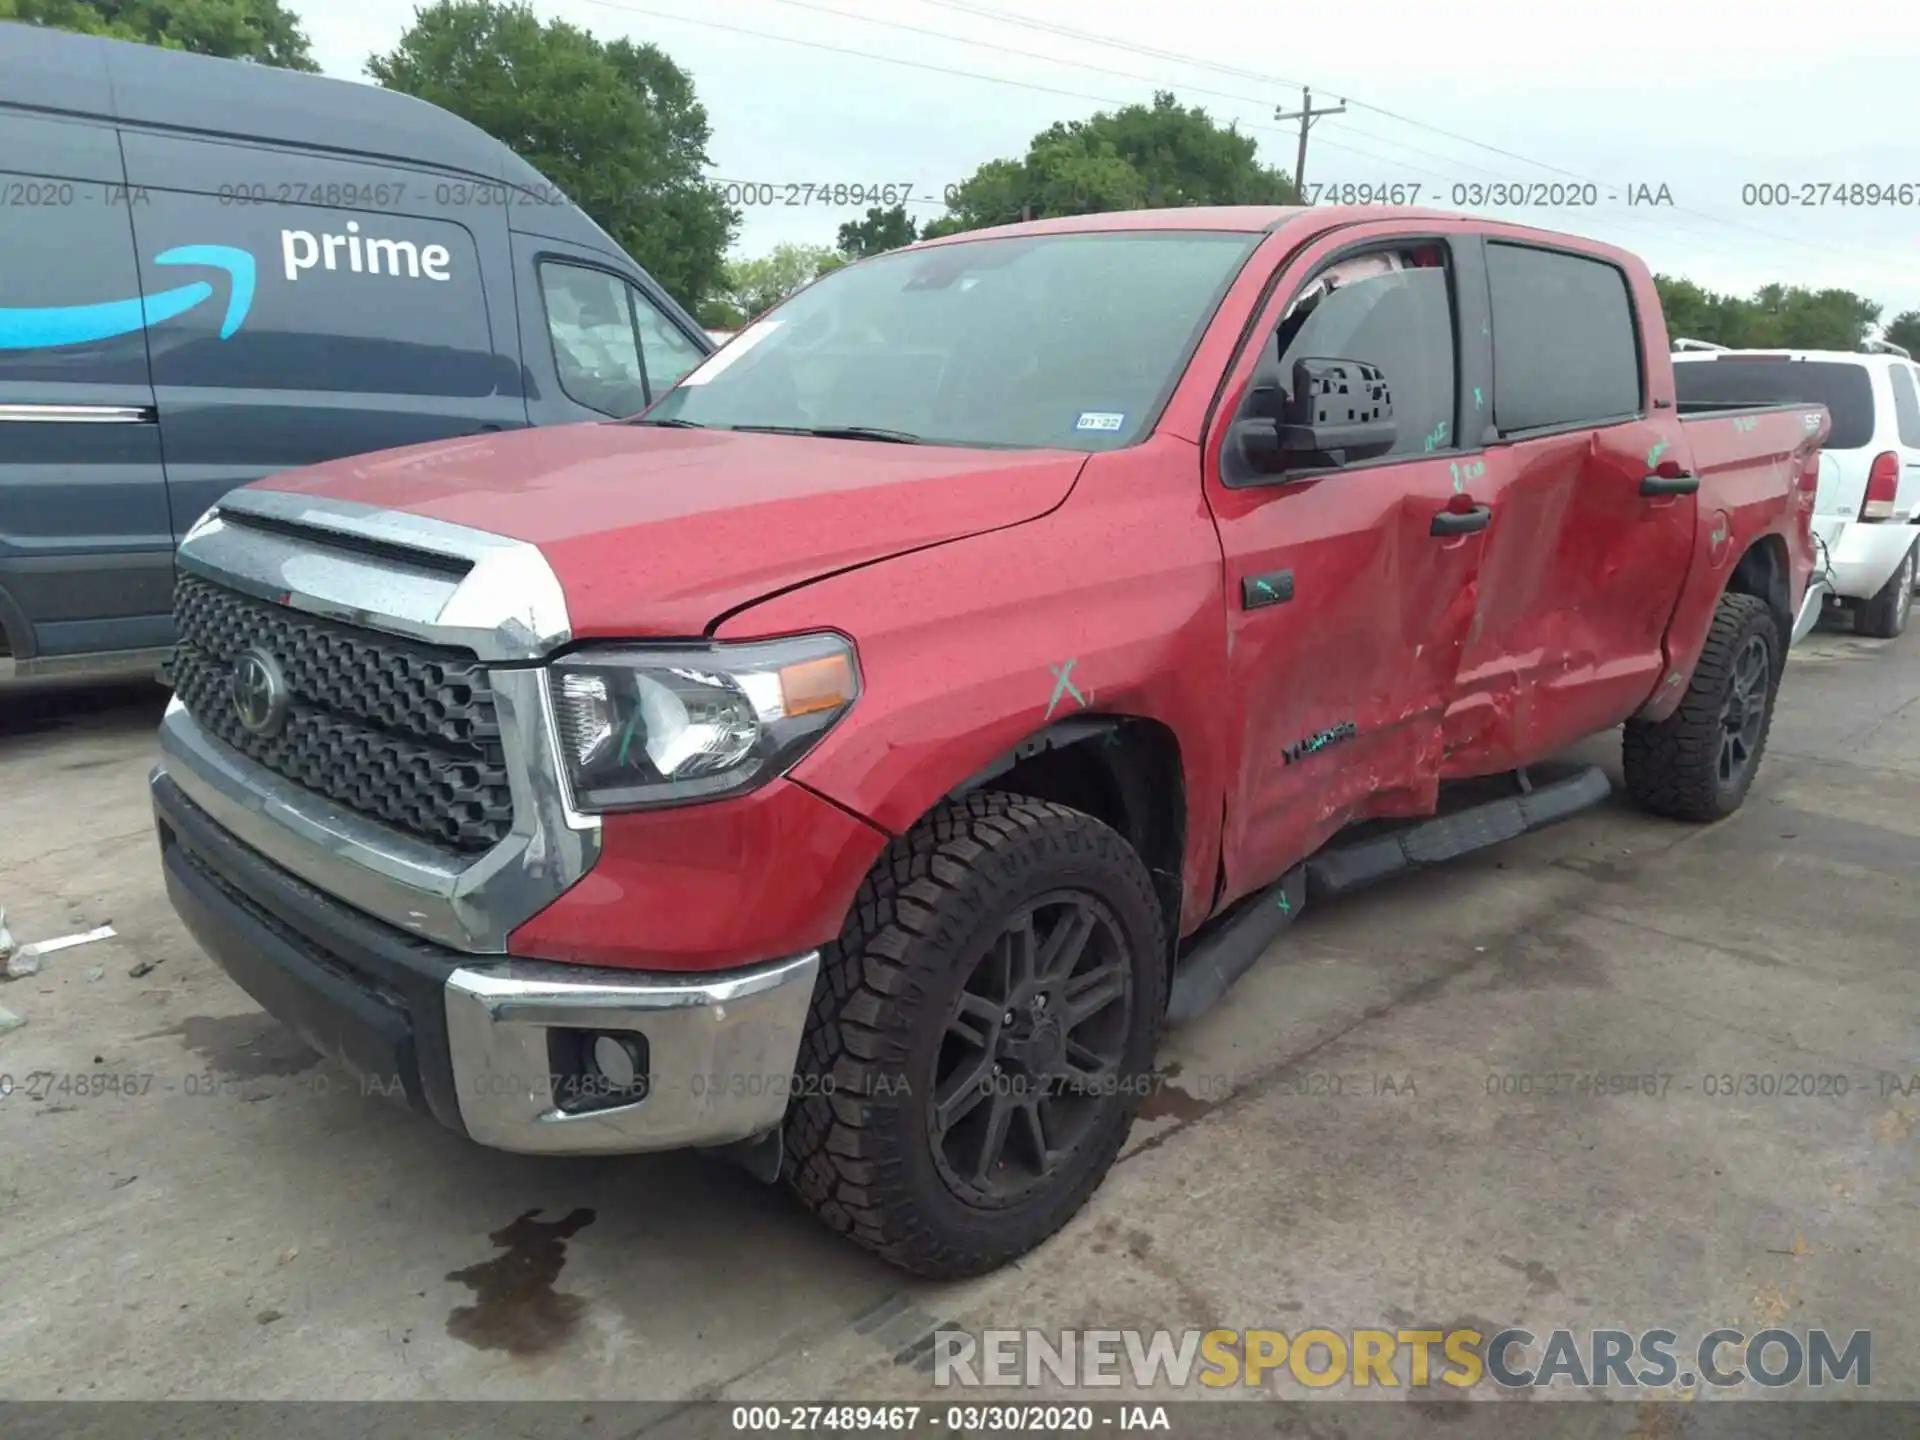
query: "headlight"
670, 724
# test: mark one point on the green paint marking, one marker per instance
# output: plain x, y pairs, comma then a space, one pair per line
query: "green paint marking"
1477, 402
626, 737
1263, 587
1064, 686
1286, 905
1654, 454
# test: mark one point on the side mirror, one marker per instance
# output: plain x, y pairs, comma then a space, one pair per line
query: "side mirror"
1336, 407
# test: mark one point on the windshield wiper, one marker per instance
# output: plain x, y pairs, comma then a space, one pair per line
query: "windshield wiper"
676, 424
837, 432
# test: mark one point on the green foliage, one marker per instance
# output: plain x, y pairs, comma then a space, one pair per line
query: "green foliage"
881, 231
261, 30
749, 287
1139, 157
614, 125
1904, 330
1773, 317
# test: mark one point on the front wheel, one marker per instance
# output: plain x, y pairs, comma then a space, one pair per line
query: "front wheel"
981, 1037
1698, 763
1885, 615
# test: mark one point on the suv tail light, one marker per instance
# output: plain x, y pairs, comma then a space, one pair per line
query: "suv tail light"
1883, 482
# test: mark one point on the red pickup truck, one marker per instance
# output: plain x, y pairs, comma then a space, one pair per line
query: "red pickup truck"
852, 763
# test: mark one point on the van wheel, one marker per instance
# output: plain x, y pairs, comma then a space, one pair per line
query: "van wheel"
1698, 763
1885, 615
982, 1034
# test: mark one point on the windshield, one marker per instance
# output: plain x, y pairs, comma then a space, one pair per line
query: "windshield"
1065, 341
1845, 389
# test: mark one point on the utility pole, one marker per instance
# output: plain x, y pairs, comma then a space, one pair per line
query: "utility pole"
1306, 116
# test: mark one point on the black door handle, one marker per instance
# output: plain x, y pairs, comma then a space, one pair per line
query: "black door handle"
1681, 484
1462, 522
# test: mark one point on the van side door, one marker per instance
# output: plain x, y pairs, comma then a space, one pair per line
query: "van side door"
86, 547
598, 339
351, 310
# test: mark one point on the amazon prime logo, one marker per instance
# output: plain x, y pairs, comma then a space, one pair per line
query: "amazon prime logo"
260, 695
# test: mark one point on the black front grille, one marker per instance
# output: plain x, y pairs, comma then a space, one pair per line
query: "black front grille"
400, 731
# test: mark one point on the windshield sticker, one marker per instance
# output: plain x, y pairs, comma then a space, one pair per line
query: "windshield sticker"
733, 350
1100, 420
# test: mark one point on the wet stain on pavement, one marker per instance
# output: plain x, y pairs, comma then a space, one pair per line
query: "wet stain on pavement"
516, 1308
1540, 1280
1536, 962
242, 1047
1170, 1102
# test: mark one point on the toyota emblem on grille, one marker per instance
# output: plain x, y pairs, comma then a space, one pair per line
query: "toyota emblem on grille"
260, 694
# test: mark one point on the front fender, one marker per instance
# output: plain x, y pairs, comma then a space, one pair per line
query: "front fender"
1111, 605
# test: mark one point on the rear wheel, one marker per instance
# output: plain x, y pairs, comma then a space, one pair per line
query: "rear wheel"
1698, 763
982, 1034
1885, 615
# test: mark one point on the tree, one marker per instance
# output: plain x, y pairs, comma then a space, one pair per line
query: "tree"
1138, 157
1904, 330
881, 231
261, 30
615, 125
750, 287
1774, 317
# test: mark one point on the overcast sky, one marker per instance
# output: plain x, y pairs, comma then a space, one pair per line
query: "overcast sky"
1703, 97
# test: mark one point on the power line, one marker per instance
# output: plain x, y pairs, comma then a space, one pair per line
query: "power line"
1067, 31
619, 5
974, 74
1692, 232
1185, 87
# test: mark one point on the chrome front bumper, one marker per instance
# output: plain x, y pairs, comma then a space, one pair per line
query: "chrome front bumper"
492, 1047
722, 1051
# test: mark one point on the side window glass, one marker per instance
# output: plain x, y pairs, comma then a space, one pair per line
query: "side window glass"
594, 347
1400, 319
1906, 405
668, 353
1564, 347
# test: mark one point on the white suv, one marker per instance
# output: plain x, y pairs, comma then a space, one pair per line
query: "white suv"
1867, 512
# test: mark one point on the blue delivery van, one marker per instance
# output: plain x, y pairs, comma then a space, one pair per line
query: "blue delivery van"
212, 270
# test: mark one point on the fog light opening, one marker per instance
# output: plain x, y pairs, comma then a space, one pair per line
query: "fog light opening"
597, 1069
618, 1060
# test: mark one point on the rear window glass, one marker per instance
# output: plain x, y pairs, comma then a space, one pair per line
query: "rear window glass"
1564, 347
1845, 389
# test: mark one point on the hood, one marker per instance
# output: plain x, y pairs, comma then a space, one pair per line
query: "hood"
656, 531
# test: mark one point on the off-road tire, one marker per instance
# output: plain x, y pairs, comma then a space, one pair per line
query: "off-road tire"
1885, 615
1672, 765
858, 1146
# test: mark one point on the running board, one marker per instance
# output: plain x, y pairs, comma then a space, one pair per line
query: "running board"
1348, 868
1209, 970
